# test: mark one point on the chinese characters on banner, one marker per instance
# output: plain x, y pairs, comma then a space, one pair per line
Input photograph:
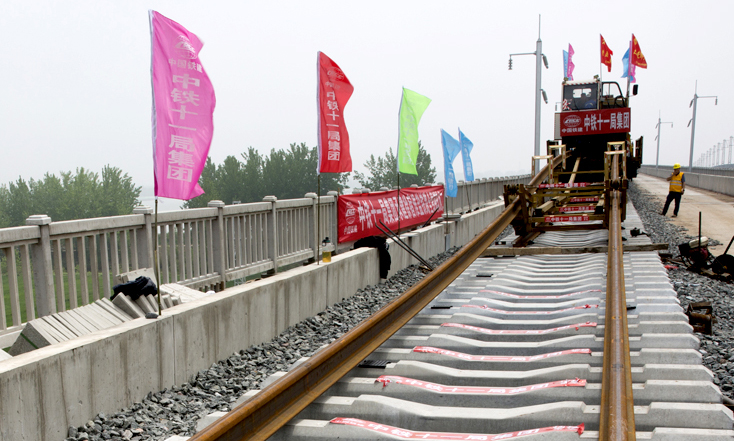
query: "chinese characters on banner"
595, 122
334, 90
359, 214
582, 218
183, 109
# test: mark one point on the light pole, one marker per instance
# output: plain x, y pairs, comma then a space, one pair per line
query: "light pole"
539, 58
657, 156
692, 122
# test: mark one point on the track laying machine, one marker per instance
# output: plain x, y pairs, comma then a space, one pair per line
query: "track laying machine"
592, 127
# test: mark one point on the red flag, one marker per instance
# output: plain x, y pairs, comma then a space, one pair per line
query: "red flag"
606, 54
636, 57
334, 90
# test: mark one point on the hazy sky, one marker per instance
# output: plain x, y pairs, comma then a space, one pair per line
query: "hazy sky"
76, 83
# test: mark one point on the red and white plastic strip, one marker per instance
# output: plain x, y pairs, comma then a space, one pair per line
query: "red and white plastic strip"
515, 296
511, 358
579, 218
577, 208
520, 331
387, 379
565, 185
585, 199
501, 311
412, 434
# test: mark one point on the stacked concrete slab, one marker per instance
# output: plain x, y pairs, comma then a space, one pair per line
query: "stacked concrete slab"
64, 326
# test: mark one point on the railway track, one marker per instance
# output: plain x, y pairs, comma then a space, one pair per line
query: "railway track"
584, 346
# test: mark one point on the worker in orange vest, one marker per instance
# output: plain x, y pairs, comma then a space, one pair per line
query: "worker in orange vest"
677, 188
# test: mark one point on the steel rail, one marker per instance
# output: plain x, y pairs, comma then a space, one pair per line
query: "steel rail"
269, 410
617, 416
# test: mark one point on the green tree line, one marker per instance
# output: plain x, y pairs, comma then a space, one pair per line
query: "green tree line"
286, 174
383, 171
80, 195
291, 173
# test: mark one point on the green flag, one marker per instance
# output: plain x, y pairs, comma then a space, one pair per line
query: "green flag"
412, 106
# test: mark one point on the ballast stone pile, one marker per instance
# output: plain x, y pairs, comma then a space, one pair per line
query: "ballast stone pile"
717, 350
176, 411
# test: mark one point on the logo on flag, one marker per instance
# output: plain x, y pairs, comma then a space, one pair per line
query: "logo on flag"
606, 54
183, 109
637, 59
334, 90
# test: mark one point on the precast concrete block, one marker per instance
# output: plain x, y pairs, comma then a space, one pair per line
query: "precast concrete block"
208, 420
423, 417
131, 308
35, 335
501, 333
508, 321
309, 430
111, 308
485, 378
144, 305
489, 397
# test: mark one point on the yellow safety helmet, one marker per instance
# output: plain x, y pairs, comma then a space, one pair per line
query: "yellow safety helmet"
676, 165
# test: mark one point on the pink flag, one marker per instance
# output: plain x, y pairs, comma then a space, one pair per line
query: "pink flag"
334, 90
569, 73
183, 108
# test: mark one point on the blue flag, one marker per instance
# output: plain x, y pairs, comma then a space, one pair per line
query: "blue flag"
565, 64
466, 147
629, 71
450, 150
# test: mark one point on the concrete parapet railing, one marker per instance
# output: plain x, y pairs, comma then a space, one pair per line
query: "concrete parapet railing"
45, 391
50, 267
720, 181
480, 192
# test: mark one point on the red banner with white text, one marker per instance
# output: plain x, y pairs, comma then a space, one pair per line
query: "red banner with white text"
595, 122
359, 214
334, 90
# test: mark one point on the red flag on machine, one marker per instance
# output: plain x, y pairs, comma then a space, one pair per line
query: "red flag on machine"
334, 90
606, 54
636, 57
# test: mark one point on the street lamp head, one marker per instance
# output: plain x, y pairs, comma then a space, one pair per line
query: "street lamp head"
691, 105
716, 101
689, 122
545, 61
545, 97
510, 64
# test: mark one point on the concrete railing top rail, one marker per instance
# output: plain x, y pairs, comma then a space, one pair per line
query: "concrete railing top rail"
700, 170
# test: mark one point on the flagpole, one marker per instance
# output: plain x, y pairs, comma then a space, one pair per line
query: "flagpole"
318, 218
629, 67
398, 202
155, 254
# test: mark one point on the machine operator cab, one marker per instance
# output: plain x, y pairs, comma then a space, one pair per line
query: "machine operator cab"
592, 95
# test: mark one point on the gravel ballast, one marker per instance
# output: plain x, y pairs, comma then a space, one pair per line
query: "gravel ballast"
717, 349
176, 411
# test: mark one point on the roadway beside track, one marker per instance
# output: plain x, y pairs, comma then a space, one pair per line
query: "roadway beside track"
717, 210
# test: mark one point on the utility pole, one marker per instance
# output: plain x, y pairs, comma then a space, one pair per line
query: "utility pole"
692, 122
539, 58
657, 156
